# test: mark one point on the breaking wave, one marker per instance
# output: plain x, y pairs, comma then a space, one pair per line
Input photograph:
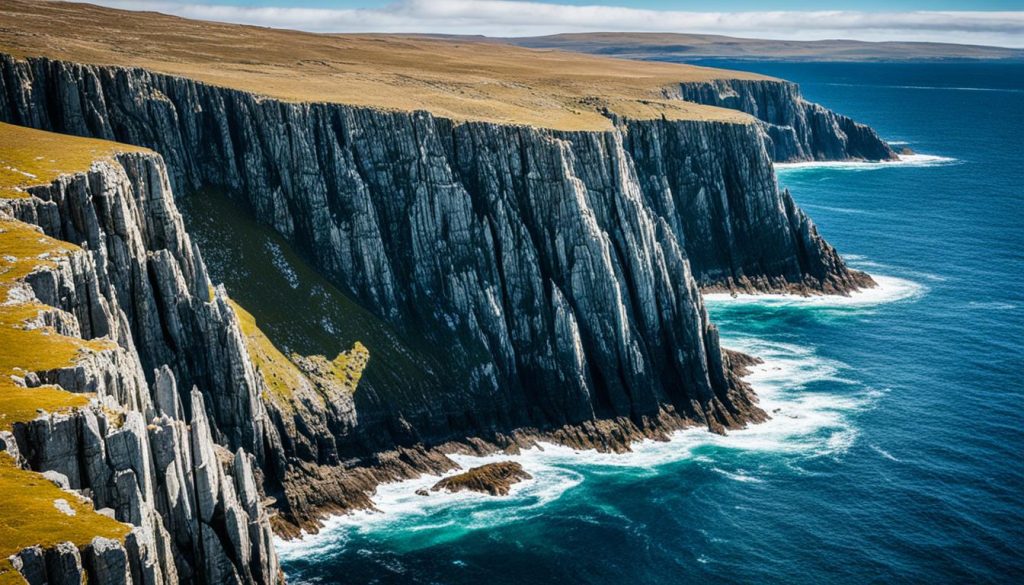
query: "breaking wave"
905, 160
804, 423
809, 398
890, 289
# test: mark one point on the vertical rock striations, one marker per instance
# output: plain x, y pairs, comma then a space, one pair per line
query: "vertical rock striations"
797, 129
558, 272
139, 282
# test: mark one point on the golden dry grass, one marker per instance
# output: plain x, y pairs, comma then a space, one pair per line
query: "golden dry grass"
32, 157
27, 513
461, 80
28, 517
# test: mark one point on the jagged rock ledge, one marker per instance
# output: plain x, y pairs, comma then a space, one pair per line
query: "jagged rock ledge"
148, 454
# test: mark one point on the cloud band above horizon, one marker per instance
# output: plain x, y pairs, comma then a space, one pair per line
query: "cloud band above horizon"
525, 18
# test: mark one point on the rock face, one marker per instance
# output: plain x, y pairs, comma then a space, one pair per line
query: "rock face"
137, 451
495, 479
797, 130
558, 272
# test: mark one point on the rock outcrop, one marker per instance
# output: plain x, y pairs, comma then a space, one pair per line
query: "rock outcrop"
182, 479
797, 130
495, 479
558, 272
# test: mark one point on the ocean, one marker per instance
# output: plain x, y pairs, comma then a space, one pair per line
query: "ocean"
895, 452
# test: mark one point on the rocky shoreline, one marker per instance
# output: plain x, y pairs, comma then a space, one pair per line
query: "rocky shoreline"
796, 130
559, 271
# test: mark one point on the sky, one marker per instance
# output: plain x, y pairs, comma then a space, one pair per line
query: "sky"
985, 22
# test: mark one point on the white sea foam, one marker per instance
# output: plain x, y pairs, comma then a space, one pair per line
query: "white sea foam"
890, 289
836, 209
885, 453
905, 160
803, 423
992, 305
870, 266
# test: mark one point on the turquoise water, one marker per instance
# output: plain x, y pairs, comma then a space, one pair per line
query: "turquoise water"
896, 445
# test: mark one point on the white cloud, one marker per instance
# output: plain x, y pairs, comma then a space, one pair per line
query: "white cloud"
524, 18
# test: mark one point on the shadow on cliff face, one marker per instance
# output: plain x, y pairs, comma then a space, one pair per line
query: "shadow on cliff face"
300, 310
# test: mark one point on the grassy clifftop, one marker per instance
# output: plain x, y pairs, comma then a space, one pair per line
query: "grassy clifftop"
30, 157
452, 79
29, 512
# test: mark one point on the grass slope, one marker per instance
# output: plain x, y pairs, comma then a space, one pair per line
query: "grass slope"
453, 79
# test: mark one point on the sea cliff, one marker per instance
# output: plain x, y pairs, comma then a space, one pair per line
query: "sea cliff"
120, 279
560, 271
796, 129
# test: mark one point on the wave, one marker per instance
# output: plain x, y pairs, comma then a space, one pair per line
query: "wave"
807, 396
812, 206
738, 476
890, 289
804, 423
870, 266
905, 160
885, 453
992, 305
939, 87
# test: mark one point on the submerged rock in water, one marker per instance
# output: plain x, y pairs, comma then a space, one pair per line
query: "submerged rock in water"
495, 479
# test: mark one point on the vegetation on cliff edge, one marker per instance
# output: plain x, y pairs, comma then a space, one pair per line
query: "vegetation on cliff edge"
460, 80
28, 513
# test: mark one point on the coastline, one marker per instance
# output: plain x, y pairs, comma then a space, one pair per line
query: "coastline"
889, 289
776, 372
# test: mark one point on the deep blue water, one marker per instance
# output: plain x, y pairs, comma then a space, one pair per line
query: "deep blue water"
896, 451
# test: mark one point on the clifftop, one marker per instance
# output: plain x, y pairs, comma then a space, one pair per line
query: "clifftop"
451, 79
33, 510
30, 157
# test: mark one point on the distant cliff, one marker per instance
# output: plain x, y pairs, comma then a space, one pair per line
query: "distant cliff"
557, 272
797, 129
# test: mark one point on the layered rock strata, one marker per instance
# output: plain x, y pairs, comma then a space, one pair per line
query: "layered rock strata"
796, 129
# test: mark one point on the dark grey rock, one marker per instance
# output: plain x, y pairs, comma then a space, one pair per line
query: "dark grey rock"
797, 130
